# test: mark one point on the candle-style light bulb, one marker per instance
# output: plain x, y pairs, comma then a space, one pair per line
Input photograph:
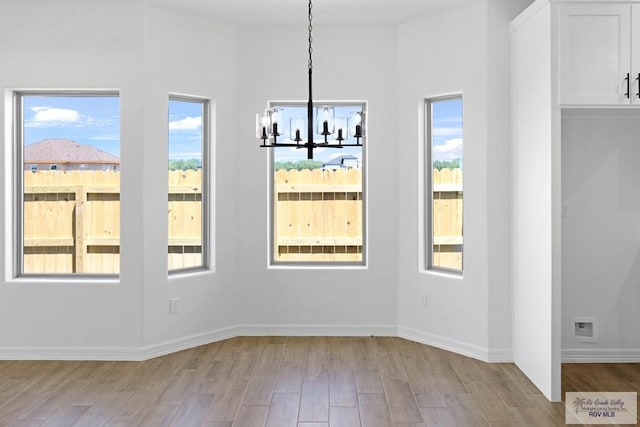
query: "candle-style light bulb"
358, 129
340, 138
262, 126
325, 120
274, 121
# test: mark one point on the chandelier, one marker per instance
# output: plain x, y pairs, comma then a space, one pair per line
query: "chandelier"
270, 124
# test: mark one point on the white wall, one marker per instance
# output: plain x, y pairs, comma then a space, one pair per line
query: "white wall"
43, 45
463, 50
185, 53
601, 232
498, 159
357, 63
144, 52
535, 195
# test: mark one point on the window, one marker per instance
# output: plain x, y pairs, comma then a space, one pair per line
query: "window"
318, 205
188, 171
68, 216
444, 183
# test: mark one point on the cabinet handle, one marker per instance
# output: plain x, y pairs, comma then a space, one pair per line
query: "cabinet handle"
638, 80
627, 92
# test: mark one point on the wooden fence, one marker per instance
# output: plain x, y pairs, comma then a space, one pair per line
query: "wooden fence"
184, 219
318, 215
72, 219
447, 218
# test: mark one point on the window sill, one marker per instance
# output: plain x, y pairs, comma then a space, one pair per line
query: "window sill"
444, 273
65, 280
309, 266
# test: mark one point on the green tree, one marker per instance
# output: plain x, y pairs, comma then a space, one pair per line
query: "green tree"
184, 164
299, 165
446, 164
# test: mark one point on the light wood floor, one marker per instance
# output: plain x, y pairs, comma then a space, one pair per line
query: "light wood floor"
292, 381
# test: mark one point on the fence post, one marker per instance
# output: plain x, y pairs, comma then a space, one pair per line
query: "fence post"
80, 246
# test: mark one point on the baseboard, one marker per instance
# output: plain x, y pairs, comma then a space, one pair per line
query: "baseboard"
319, 330
459, 347
575, 355
117, 353
184, 343
70, 353
600, 355
504, 355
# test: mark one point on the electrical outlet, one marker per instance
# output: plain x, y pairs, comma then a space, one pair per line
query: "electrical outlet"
174, 305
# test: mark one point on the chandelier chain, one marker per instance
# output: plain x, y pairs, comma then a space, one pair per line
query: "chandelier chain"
269, 125
310, 36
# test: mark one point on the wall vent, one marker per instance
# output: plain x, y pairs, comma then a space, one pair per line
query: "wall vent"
584, 329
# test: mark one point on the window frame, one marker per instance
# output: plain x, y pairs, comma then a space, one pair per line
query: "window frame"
428, 185
206, 174
17, 199
272, 262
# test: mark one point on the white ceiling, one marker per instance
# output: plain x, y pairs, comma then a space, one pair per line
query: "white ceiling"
287, 12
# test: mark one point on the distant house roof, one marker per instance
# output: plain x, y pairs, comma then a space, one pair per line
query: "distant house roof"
55, 150
340, 160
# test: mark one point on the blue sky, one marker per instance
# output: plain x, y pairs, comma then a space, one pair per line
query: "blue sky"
185, 129
95, 120
92, 120
446, 129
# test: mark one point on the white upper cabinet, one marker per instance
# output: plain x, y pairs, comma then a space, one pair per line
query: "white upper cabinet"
596, 59
635, 58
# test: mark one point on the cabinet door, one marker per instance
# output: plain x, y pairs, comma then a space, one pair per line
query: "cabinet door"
635, 54
595, 54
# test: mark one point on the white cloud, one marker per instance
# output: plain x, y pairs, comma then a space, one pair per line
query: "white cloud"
188, 123
106, 137
61, 117
450, 150
446, 131
451, 119
49, 116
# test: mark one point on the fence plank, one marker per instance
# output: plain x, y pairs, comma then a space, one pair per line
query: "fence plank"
80, 220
